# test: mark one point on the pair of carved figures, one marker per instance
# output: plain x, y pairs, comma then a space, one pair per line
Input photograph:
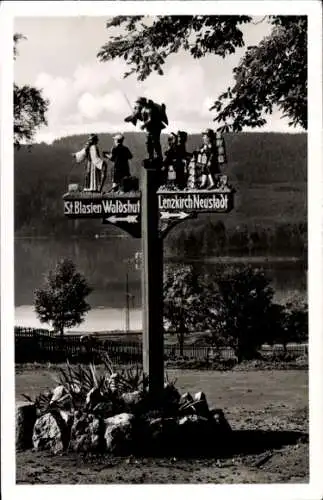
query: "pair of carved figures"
96, 165
197, 170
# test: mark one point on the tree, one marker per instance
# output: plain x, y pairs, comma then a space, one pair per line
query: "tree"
189, 304
274, 73
29, 108
61, 301
291, 323
247, 311
295, 324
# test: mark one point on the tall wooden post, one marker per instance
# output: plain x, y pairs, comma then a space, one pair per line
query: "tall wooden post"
152, 281
127, 325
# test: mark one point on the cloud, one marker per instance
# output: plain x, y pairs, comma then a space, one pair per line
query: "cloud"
89, 106
181, 88
61, 96
87, 94
97, 76
95, 95
115, 102
99, 127
92, 106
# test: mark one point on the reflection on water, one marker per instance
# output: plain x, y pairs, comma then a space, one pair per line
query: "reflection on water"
96, 320
105, 264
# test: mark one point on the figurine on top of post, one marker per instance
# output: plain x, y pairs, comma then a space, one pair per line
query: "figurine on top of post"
179, 170
199, 170
154, 119
96, 167
204, 168
120, 156
175, 161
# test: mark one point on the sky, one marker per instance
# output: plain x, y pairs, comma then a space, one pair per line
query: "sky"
59, 56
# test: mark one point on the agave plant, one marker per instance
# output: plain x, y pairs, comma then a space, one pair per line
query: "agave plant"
134, 379
127, 379
42, 403
79, 381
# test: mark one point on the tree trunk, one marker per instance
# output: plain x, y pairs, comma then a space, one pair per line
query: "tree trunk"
181, 337
285, 349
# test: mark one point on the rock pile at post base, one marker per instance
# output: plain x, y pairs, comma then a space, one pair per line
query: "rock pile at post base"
127, 424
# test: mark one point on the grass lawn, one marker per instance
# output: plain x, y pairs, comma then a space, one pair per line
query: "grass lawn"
275, 402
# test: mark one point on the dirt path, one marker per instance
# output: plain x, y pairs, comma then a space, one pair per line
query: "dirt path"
289, 465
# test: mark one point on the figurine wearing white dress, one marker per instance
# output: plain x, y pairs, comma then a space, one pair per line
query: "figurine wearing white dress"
95, 170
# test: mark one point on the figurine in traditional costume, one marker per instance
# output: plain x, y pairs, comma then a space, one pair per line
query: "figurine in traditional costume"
182, 159
120, 156
96, 168
154, 119
207, 160
168, 169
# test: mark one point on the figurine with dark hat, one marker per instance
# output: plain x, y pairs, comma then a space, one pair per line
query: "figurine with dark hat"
168, 168
182, 159
120, 156
176, 159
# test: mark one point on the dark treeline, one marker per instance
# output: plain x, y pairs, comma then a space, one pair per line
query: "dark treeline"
268, 171
214, 238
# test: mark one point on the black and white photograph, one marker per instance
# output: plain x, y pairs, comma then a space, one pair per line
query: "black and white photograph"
162, 325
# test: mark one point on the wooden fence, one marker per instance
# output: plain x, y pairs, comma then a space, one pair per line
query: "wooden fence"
37, 345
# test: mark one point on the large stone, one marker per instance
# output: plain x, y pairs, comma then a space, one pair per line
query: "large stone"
67, 417
51, 432
58, 393
162, 433
119, 433
185, 399
194, 406
200, 404
133, 402
104, 409
61, 396
193, 422
25, 420
87, 433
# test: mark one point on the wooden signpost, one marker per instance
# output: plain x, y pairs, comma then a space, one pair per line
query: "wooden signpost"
149, 214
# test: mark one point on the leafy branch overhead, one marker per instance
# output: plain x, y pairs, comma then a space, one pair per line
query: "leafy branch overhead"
30, 107
274, 73
29, 113
146, 44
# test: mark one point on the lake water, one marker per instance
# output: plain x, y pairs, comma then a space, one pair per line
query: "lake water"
106, 263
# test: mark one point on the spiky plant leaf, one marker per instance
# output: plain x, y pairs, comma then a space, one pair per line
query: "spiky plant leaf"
108, 365
28, 398
170, 381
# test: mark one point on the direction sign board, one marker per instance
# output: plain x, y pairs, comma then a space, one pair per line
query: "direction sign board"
84, 205
128, 207
124, 210
195, 201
